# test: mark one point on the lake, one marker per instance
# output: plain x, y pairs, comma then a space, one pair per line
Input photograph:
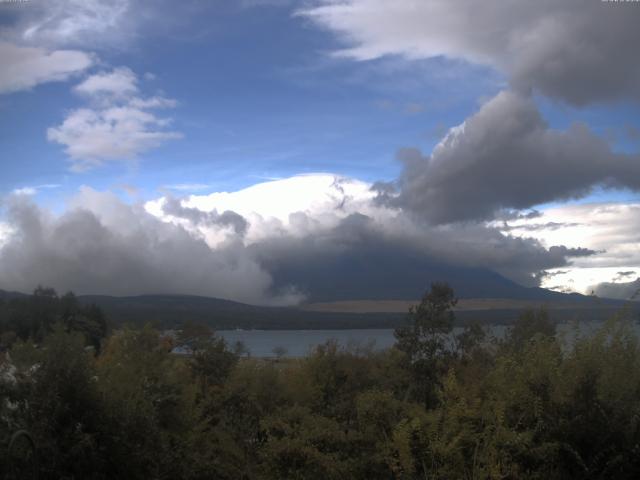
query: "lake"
299, 343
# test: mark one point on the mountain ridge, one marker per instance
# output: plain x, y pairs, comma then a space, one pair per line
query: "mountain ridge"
170, 311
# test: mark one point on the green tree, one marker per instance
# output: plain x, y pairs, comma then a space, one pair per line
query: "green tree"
531, 324
149, 406
426, 340
62, 409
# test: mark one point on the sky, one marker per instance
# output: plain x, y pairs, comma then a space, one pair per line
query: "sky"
186, 147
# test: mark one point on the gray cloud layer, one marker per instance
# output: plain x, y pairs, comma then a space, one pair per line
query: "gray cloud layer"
622, 290
503, 157
506, 157
111, 248
397, 260
574, 50
173, 206
101, 245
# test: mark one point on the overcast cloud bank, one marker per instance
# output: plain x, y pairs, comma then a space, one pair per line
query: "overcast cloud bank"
465, 204
102, 245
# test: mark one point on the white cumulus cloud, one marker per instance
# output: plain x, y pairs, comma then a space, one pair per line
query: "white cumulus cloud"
118, 123
119, 82
25, 67
276, 207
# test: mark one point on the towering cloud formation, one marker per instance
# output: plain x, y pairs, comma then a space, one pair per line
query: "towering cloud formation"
573, 50
505, 156
101, 245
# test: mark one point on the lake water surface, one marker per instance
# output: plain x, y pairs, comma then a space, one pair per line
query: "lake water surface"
299, 343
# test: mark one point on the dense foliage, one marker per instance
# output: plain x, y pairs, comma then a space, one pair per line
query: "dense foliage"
437, 405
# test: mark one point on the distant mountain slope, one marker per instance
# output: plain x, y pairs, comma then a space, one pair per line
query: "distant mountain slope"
403, 276
7, 295
463, 305
169, 311
172, 310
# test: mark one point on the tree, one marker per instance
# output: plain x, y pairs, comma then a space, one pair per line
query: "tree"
148, 408
279, 352
530, 325
426, 341
33, 317
88, 320
211, 359
62, 407
212, 362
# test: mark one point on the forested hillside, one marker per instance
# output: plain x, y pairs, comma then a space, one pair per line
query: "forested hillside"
95, 404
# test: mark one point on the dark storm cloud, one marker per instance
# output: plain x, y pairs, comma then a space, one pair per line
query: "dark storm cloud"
112, 248
622, 291
173, 206
574, 50
101, 245
506, 157
360, 258
580, 52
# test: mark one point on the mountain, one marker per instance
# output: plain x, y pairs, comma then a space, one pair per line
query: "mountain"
4, 295
169, 311
372, 275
